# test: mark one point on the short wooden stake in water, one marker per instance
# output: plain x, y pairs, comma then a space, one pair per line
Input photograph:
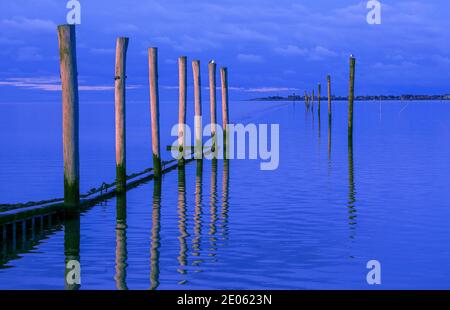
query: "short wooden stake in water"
154, 109
318, 100
119, 86
182, 80
318, 107
224, 82
197, 110
212, 103
351, 97
69, 82
306, 100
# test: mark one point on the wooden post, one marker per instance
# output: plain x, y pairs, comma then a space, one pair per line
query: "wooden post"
14, 236
69, 82
351, 97
154, 109
329, 99
306, 100
312, 102
212, 102
197, 110
318, 100
24, 233
224, 83
120, 77
182, 80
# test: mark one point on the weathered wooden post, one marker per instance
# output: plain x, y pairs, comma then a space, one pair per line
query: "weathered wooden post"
69, 82
318, 100
329, 99
197, 110
224, 84
312, 101
24, 233
154, 109
306, 101
182, 80
119, 93
212, 102
351, 98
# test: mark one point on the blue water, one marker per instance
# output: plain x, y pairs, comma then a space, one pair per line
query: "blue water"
313, 223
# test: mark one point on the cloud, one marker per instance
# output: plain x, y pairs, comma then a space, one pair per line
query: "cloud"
26, 24
291, 50
53, 84
316, 53
102, 51
250, 58
263, 89
320, 52
28, 54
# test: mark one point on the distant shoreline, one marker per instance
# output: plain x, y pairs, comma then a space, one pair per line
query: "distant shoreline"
357, 98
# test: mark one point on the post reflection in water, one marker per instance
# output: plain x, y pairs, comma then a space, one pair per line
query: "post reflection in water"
213, 210
182, 223
72, 274
329, 140
156, 228
198, 213
121, 242
351, 190
225, 196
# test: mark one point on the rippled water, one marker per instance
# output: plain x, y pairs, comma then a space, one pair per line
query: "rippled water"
313, 223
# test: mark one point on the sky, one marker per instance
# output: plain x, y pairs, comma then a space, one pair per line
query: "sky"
270, 47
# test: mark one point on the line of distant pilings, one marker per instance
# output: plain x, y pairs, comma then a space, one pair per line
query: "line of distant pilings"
68, 68
309, 100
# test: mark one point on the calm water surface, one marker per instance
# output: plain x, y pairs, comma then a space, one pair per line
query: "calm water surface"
313, 223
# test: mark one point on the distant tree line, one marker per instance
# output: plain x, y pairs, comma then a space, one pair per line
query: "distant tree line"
295, 97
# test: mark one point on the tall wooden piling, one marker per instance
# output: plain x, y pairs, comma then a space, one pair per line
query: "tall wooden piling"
224, 84
329, 99
69, 82
197, 110
154, 109
119, 93
212, 102
351, 98
182, 80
